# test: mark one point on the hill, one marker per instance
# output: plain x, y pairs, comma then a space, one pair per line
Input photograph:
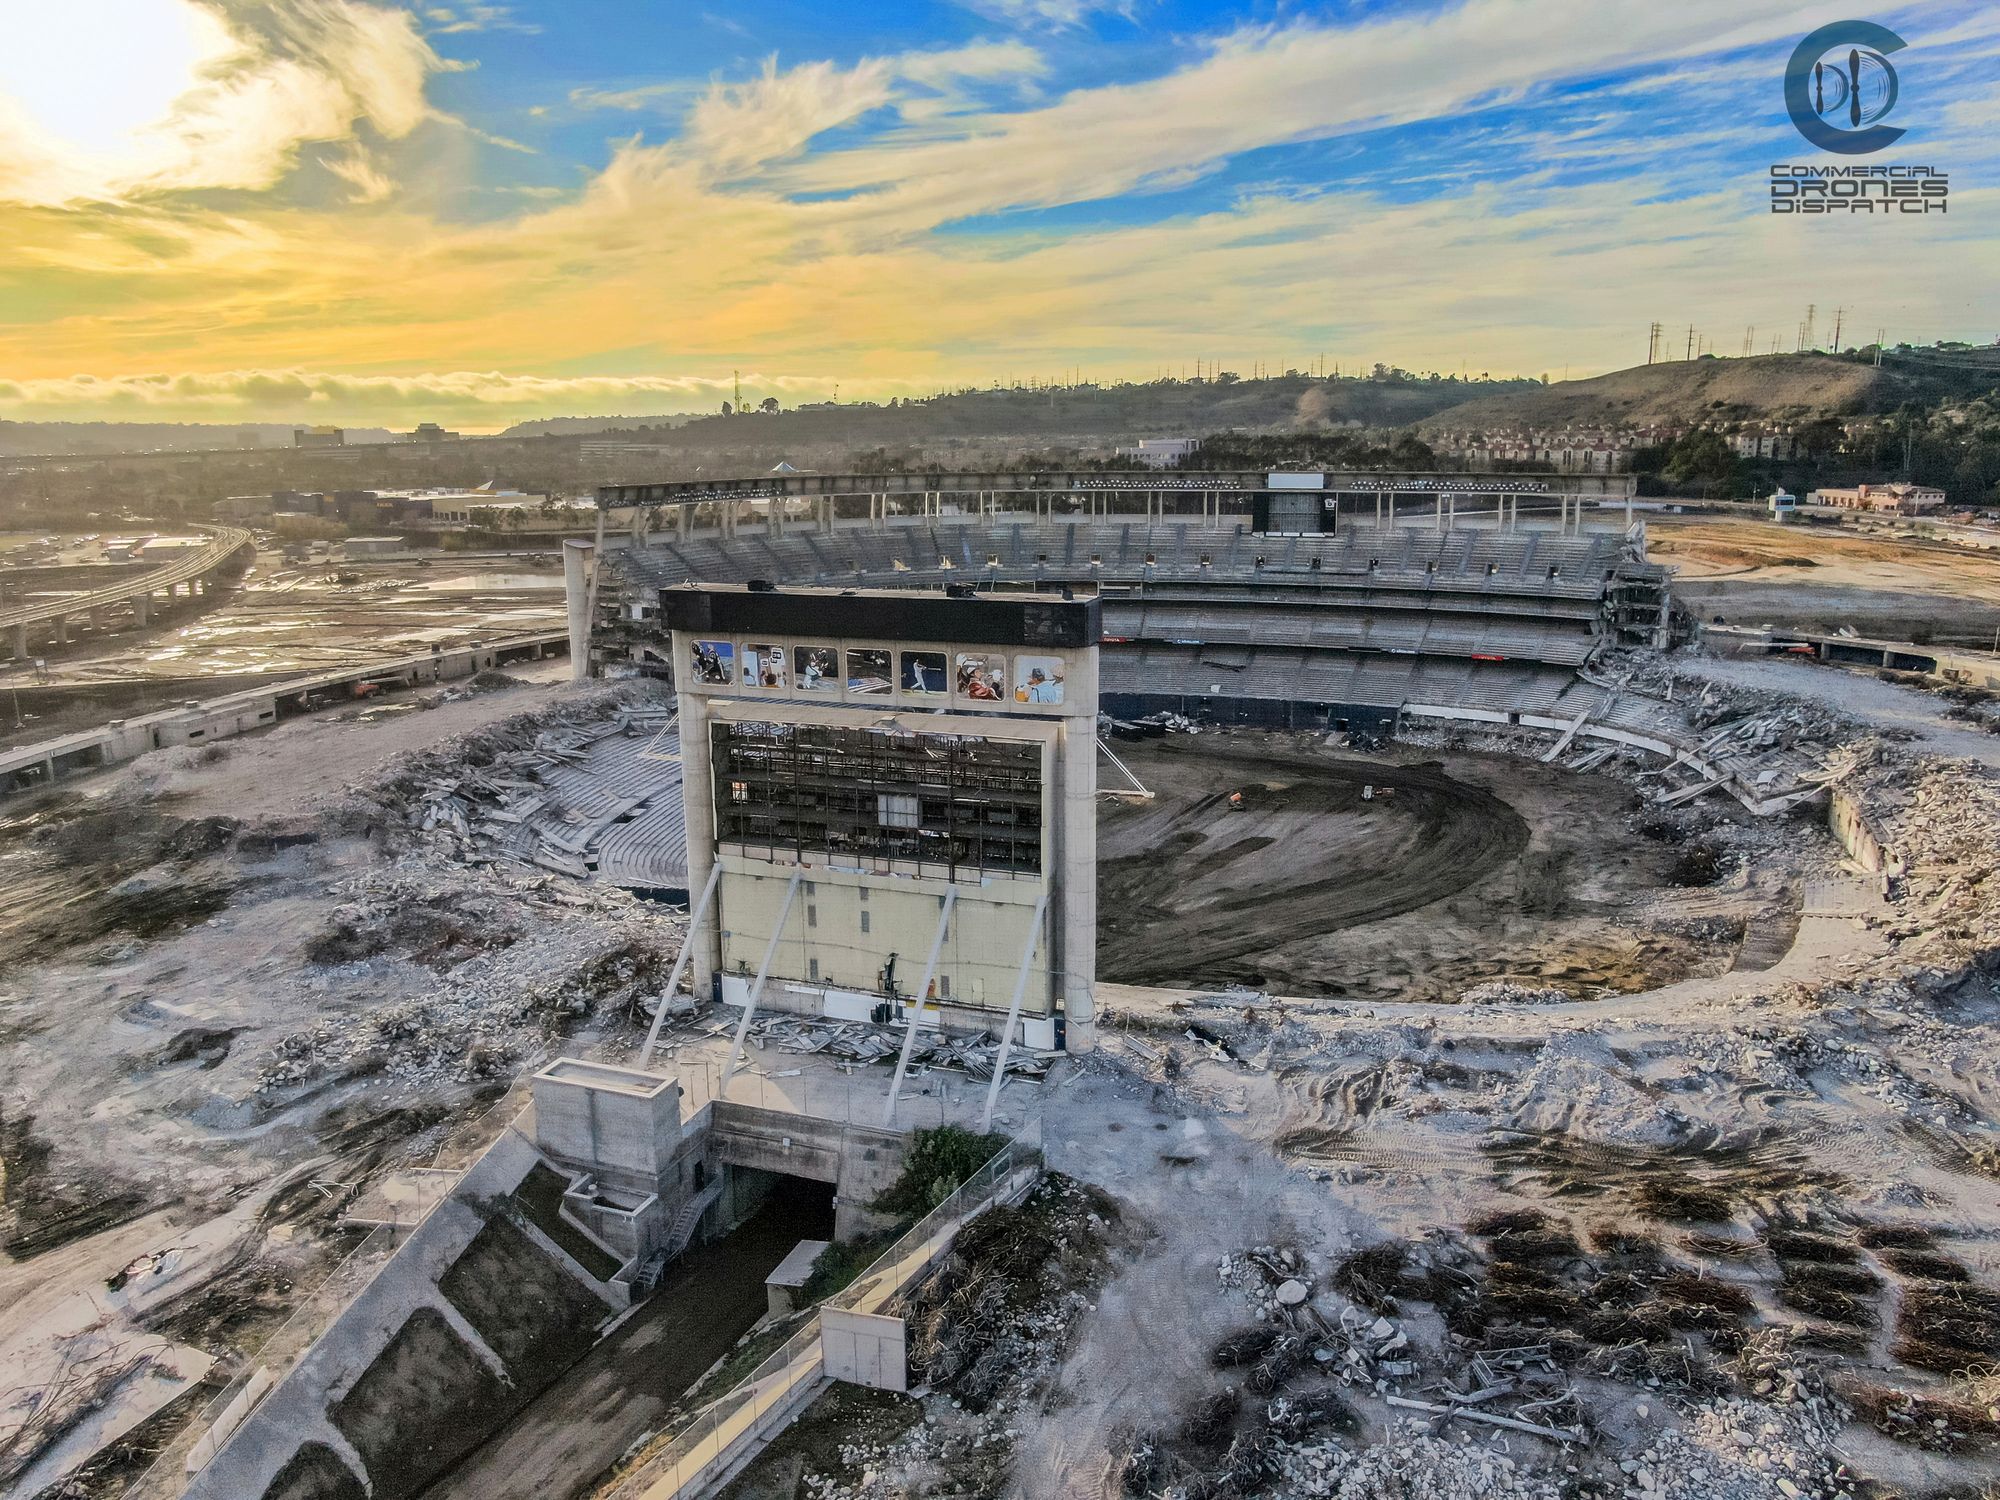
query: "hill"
35, 438
1093, 414
1761, 388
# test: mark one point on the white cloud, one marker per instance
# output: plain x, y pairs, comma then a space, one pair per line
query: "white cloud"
370, 183
270, 78
1053, 14
1264, 86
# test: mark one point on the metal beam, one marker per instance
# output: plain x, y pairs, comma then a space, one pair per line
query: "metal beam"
757, 987
695, 914
917, 1010
1013, 1013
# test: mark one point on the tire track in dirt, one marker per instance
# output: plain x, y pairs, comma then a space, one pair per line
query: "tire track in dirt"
1187, 886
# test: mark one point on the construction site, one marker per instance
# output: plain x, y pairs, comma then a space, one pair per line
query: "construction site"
1240, 986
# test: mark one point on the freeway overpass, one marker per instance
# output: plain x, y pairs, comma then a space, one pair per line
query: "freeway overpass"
45, 620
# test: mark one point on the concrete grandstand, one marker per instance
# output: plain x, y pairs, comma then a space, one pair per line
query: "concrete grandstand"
1213, 618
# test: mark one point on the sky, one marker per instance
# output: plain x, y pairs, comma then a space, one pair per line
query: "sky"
375, 213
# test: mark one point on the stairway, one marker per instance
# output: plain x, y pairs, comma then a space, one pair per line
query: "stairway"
689, 1218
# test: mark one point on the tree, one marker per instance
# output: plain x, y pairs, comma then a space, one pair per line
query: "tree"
728, 410
768, 404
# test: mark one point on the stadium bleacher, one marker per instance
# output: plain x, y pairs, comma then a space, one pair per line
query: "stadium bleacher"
1200, 616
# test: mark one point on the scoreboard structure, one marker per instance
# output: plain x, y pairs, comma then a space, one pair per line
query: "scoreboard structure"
890, 801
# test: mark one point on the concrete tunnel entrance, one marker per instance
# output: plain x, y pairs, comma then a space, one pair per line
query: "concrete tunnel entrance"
564, 1440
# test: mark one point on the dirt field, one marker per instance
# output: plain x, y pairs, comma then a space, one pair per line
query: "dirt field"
1816, 578
1456, 871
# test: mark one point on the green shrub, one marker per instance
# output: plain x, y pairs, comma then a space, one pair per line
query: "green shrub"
939, 1162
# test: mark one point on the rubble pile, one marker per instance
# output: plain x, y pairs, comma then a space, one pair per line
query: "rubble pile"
1737, 1449
863, 1042
1510, 992
987, 1329
487, 796
1942, 821
1408, 1461
514, 960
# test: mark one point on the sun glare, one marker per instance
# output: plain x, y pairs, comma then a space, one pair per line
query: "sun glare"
90, 77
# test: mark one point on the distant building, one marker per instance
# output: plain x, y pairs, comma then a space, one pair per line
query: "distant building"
1764, 442
1162, 453
430, 432
616, 452
372, 546
1567, 450
318, 437
243, 507
1898, 499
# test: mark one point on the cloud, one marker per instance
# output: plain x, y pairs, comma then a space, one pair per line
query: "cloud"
794, 223
370, 184
271, 78
1052, 14
1258, 87
446, 20
474, 396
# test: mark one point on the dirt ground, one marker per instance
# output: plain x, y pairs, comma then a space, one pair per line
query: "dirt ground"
1455, 871
1817, 578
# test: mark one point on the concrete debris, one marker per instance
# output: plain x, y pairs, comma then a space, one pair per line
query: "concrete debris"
514, 960
1509, 992
862, 1042
1408, 1461
1737, 1449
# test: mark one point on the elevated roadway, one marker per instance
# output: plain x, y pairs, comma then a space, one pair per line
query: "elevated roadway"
45, 619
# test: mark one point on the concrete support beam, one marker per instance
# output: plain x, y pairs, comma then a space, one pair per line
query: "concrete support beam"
1014, 1012
757, 985
142, 608
20, 643
577, 557
694, 923
917, 1007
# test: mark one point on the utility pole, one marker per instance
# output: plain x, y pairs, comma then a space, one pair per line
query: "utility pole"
739, 389
1838, 314
1749, 339
1690, 344
1812, 318
1652, 343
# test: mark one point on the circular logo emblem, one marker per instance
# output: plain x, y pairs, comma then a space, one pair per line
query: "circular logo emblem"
1840, 86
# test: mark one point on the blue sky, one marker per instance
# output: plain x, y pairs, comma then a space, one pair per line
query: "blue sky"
371, 210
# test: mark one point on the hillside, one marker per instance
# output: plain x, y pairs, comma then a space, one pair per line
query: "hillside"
1684, 392
1091, 414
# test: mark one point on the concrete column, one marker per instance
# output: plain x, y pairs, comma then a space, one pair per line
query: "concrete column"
1078, 855
20, 643
1437, 521
698, 807
577, 559
62, 630
97, 618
